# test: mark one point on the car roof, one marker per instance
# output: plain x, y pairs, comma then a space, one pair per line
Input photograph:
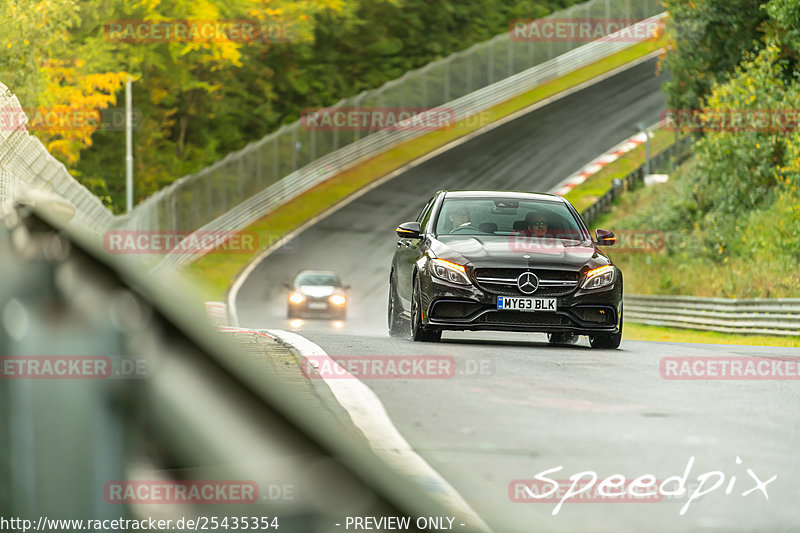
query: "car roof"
519, 195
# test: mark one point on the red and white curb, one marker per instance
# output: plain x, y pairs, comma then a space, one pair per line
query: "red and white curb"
600, 162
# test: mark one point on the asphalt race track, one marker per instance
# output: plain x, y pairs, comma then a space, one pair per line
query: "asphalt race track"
516, 406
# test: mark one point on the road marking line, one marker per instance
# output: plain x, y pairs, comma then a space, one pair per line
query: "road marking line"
369, 415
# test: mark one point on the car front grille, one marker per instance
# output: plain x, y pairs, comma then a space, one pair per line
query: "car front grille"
503, 281
520, 317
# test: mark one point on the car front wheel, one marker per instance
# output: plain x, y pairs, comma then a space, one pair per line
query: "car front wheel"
419, 332
396, 325
609, 342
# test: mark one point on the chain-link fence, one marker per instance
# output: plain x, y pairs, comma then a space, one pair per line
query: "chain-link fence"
249, 183
26, 165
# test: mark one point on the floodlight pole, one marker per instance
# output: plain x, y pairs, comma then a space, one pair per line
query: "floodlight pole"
128, 145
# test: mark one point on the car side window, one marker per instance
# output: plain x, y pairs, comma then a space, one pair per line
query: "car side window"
425, 215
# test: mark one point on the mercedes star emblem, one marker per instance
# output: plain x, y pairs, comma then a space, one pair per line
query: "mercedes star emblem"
528, 282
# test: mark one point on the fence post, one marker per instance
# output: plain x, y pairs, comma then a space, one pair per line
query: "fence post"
240, 179
294, 148
259, 170
469, 72
490, 73
276, 155
447, 80
424, 74
510, 56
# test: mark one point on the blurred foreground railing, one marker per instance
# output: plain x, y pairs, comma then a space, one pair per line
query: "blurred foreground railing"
763, 316
167, 402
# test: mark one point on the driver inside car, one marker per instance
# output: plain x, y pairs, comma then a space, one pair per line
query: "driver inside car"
537, 225
460, 219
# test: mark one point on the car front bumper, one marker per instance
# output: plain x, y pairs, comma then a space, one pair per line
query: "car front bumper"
321, 307
452, 307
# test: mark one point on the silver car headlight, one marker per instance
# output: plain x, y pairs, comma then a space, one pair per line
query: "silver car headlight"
599, 277
449, 271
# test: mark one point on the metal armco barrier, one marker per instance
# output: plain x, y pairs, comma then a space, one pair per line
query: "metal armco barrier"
763, 316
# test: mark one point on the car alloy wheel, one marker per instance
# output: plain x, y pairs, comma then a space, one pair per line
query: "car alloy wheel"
395, 322
419, 332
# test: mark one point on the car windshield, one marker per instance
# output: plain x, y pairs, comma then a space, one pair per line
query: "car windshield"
317, 278
508, 216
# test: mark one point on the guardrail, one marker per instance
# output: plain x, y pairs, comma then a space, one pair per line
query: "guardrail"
246, 185
763, 316
668, 158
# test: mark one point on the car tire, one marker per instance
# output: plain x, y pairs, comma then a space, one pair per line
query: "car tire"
562, 338
396, 324
419, 332
608, 342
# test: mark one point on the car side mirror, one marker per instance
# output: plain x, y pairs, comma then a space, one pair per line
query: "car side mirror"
286, 286
408, 230
346, 287
605, 237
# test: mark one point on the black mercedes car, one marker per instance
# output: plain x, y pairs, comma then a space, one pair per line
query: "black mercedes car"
510, 261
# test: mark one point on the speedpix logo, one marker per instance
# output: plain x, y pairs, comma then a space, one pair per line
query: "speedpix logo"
585, 486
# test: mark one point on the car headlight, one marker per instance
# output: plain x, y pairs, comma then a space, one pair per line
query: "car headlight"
599, 277
296, 298
337, 299
449, 271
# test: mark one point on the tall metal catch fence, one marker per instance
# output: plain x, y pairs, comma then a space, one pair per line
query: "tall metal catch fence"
247, 184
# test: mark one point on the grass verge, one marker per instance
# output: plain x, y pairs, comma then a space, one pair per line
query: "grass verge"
213, 272
638, 332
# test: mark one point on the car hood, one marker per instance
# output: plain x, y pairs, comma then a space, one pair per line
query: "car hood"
317, 291
508, 251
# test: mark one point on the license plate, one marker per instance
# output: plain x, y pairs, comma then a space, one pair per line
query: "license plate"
526, 304
317, 305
